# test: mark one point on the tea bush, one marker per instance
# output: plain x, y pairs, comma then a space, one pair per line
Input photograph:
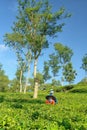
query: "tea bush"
22, 112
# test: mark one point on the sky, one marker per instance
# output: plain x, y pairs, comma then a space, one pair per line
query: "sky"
74, 34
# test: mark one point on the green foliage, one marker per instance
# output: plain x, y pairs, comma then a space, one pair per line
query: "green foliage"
14, 85
22, 112
83, 82
66, 88
39, 77
46, 74
69, 73
34, 22
31, 82
79, 88
60, 60
56, 83
84, 63
54, 64
4, 80
64, 53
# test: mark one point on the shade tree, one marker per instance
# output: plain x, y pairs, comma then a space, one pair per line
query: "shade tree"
35, 22
60, 61
64, 54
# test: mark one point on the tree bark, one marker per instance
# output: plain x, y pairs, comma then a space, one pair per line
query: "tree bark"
62, 81
26, 84
35, 81
35, 89
21, 81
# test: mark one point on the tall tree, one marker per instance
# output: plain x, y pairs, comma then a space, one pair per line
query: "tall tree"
64, 54
24, 60
20, 70
19, 79
35, 22
28, 62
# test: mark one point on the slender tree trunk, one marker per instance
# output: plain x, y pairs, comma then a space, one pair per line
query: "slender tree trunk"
35, 90
26, 84
62, 81
62, 78
35, 81
21, 81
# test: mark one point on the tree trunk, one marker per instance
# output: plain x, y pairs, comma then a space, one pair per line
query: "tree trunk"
26, 84
62, 80
21, 81
35, 89
35, 81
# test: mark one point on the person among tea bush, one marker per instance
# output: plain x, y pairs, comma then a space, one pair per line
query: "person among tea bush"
51, 99
51, 92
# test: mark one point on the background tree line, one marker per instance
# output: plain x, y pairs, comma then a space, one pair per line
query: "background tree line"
49, 66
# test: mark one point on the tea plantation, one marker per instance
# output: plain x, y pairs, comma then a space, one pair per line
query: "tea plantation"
22, 112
